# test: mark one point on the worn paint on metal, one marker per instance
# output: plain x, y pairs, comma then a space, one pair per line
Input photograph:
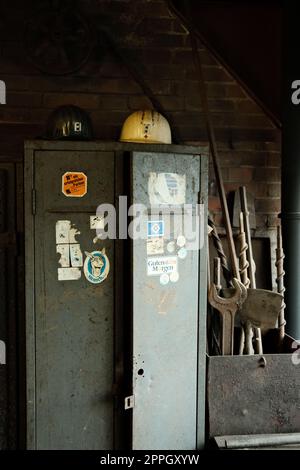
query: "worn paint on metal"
249, 396
51, 424
69, 324
165, 324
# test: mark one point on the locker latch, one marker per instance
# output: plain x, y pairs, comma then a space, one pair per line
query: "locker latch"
129, 402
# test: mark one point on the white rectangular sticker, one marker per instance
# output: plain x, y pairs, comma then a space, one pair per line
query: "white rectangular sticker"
72, 235
155, 246
161, 265
96, 222
62, 231
76, 255
64, 260
69, 274
166, 188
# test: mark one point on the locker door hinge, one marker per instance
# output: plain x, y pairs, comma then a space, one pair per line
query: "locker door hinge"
129, 402
33, 200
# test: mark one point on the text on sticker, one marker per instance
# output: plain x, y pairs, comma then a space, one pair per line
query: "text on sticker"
161, 265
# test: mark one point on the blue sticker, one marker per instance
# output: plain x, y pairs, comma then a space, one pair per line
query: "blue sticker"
96, 266
155, 228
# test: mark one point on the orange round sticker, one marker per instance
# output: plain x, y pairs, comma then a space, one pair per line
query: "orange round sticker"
74, 184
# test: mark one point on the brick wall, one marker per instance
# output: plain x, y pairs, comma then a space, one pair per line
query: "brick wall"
248, 141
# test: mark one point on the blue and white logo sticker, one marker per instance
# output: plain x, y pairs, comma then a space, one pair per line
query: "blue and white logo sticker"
155, 228
96, 266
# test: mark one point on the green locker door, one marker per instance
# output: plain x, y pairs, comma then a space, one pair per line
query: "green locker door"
70, 300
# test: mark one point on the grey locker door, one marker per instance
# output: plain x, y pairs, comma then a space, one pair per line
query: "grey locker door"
166, 331
70, 356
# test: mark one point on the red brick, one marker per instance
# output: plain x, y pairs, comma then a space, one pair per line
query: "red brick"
113, 70
224, 90
115, 102
106, 131
160, 87
18, 66
155, 25
273, 159
268, 205
23, 115
261, 220
274, 146
110, 118
96, 85
171, 71
151, 10
241, 175
157, 56
267, 175
249, 145
211, 73
218, 219
169, 40
136, 102
186, 57
117, 86
172, 103
24, 99
245, 145
83, 100
215, 105
17, 82
232, 120
273, 221
248, 107
257, 189
274, 190
231, 187
214, 204
238, 158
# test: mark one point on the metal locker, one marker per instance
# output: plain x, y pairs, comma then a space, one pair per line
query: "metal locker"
70, 356
168, 313
91, 346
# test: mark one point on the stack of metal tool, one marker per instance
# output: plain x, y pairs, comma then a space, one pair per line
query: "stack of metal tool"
256, 308
247, 394
240, 305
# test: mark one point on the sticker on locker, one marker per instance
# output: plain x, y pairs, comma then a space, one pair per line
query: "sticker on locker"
162, 265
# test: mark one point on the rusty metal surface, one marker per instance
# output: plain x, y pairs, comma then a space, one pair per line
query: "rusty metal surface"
261, 308
228, 307
247, 395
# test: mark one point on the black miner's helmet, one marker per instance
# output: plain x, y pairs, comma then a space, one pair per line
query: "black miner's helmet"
69, 122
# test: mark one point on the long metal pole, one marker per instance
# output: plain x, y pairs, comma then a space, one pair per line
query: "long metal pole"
244, 207
290, 215
280, 283
215, 158
220, 252
244, 263
252, 267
